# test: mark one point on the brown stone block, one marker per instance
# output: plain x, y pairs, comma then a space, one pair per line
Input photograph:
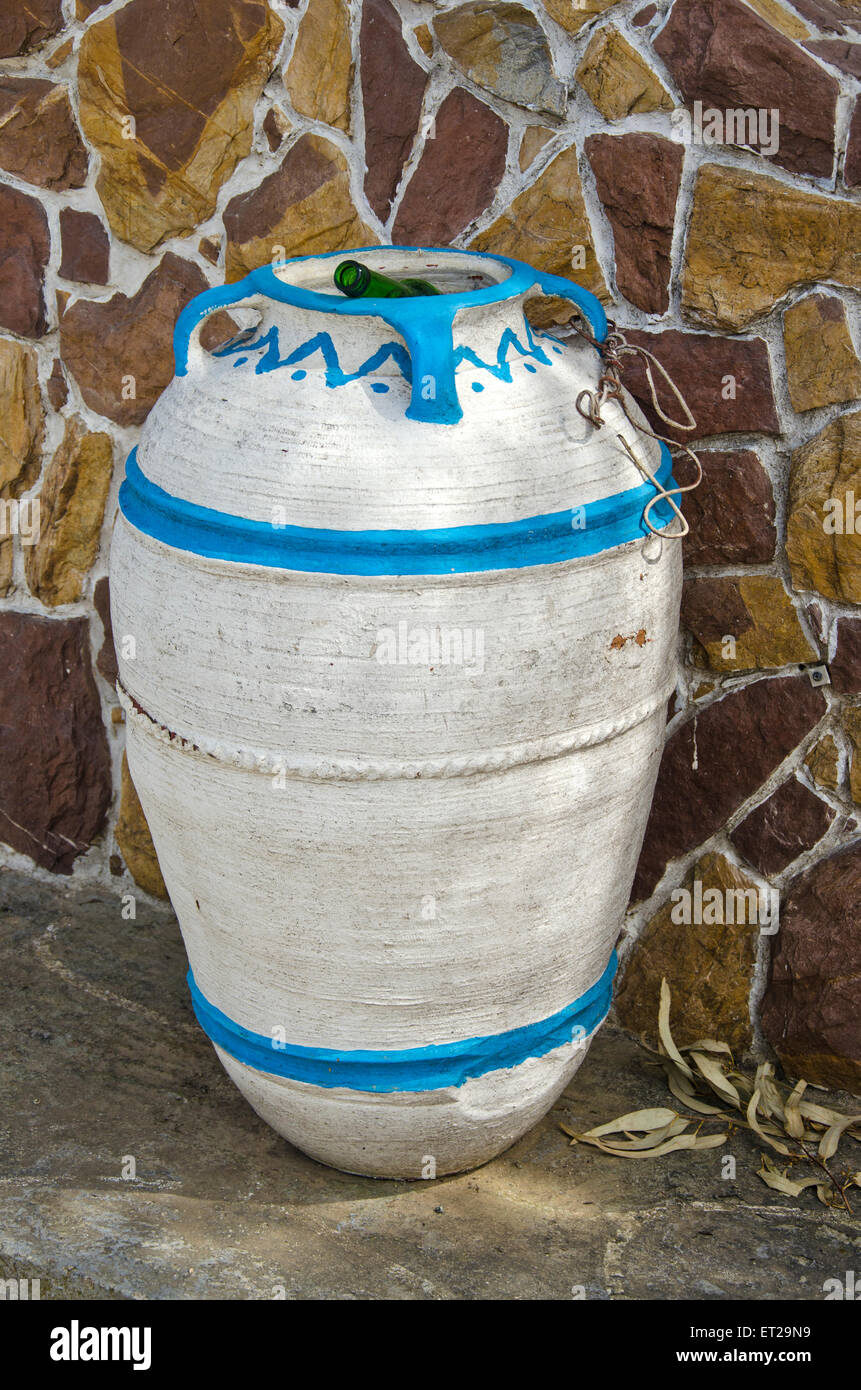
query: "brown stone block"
304, 208
793, 819
752, 238
834, 16
638, 180
24, 249
731, 513
39, 140
846, 57
713, 762
72, 508
167, 95
821, 365
106, 661
845, 666
86, 247
55, 786
120, 351
24, 26
457, 175
725, 381
812, 1004
755, 612
210, 248
276, 127
823, 529
393, 87
725, 56
708, 964
57, 386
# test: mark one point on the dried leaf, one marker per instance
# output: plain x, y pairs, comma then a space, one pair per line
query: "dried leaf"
708, 1045
640, 1120
654, 1132
777, 1179
822, 1115
830, 1140
684, 1091
716, 1078
664, 1033
650, 1141
792, 1114
680, 1141
769, 1092
758, 1129
742, 1082
762, 1127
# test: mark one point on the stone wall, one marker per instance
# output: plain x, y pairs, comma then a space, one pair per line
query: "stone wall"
150, 149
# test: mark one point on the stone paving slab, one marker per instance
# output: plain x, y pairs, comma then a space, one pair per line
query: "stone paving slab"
101, 1058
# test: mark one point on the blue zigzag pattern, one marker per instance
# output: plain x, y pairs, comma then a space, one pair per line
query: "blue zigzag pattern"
270, 359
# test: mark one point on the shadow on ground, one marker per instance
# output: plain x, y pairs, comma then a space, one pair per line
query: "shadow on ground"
101, 1059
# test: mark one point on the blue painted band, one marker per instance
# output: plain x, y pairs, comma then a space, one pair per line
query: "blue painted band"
409, 1069
425, 323
537, 540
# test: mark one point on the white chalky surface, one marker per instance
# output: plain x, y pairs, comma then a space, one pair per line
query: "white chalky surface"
325, 886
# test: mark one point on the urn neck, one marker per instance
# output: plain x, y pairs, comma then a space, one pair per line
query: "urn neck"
469, 283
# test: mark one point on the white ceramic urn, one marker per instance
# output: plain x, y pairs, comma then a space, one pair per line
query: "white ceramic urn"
402, 651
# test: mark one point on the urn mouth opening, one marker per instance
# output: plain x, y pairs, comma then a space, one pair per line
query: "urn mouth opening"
465, 279
453, 272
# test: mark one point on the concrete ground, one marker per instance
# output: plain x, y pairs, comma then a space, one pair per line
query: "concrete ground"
100, 1058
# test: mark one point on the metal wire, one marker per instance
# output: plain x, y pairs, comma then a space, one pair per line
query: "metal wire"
589, 403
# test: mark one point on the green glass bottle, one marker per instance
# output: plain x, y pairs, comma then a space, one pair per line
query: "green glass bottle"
358, 282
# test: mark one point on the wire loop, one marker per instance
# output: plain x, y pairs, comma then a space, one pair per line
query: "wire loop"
614, 347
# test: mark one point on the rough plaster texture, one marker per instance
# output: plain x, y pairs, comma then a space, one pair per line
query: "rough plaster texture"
36, 301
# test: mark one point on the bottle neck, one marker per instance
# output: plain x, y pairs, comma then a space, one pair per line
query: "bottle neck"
358, 281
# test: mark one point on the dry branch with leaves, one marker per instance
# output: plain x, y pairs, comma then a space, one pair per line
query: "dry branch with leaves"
805, 1134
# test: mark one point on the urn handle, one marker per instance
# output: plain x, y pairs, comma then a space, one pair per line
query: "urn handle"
590, 307
426, 325
187, 349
